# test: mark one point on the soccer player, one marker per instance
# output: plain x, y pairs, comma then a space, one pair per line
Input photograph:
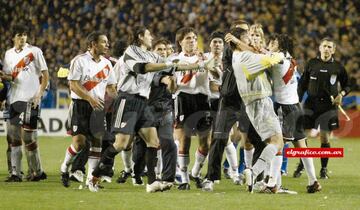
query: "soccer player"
90, 76
321, 79
287, 106
192, 108
133, 114
25, 66
254, 88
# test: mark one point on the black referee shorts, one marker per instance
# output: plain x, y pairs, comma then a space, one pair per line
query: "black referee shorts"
292, 121
85, 120
22, 113
320, 112
132, 112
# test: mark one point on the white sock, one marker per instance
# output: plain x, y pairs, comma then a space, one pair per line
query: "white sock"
265, 158
183, 165
275, 168
248, 157
199, 162
69, 158
34, 158
16, 156
231, 156
310, 169
178, 171
126, 157
93, 161
159, 165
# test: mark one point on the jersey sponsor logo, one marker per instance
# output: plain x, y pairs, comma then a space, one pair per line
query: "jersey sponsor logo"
323, 70
95, 80
333, 79
290, 72
22, 65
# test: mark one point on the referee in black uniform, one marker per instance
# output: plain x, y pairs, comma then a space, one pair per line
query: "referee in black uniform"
321, 80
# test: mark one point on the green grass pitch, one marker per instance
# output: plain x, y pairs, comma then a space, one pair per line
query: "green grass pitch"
341, 191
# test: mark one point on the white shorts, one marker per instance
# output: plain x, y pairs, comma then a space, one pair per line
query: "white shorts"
262, 116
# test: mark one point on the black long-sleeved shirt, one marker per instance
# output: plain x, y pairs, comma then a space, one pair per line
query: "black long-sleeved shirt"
321, 79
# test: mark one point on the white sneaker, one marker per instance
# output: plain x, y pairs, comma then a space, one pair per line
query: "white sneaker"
208, 186
164, 185
154, 187
93, 185
137, 181
283, 190
78, 175
106, 179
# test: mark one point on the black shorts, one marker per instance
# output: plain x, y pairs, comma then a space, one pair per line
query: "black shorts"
227, 116
214, 104
131, 113
85, 120
193, 112
320, 112
22, 113
292, 121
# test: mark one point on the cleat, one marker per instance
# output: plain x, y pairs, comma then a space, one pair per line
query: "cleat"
164, 185
94, 184
65, 180
37, 178
106, 179
299, 170
259, 186
137, 180
238, 179
184, 186
249, 180
284, 173
13, 178
316, 187
269, 190
123, 176
153, 187
77, 176
208, 186
283, 190
226, 173
197, 181
324, 173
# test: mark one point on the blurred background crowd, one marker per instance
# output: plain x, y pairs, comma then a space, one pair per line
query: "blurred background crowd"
59, 27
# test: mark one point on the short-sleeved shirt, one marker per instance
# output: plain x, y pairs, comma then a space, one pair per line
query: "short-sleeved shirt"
25, 68
93, 76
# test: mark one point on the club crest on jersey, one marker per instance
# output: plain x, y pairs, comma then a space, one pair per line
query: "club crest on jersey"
123, 124
333, 79
75, 127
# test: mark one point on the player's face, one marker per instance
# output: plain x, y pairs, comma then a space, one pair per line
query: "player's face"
170, 49
189, 43
273, 45
147, 39
102, 45
327, 49
161, 50
256, 39
217, 45
20, 40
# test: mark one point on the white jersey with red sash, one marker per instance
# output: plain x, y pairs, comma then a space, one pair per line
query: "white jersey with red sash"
25, 66
93, 76
191, 82
284, 81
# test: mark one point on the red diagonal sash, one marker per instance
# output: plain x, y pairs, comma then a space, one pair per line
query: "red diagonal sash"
290, 72
25, 61
89, 85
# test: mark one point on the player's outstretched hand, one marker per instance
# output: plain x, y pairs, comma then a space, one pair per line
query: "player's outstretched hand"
36, 100
338, 100
96, 103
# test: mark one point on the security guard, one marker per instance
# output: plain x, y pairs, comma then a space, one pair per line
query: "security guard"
321, 80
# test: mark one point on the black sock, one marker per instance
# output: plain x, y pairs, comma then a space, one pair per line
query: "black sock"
107, 158
324, 161
151, 159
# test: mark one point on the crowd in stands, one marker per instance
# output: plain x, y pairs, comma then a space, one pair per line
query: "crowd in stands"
59, 27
